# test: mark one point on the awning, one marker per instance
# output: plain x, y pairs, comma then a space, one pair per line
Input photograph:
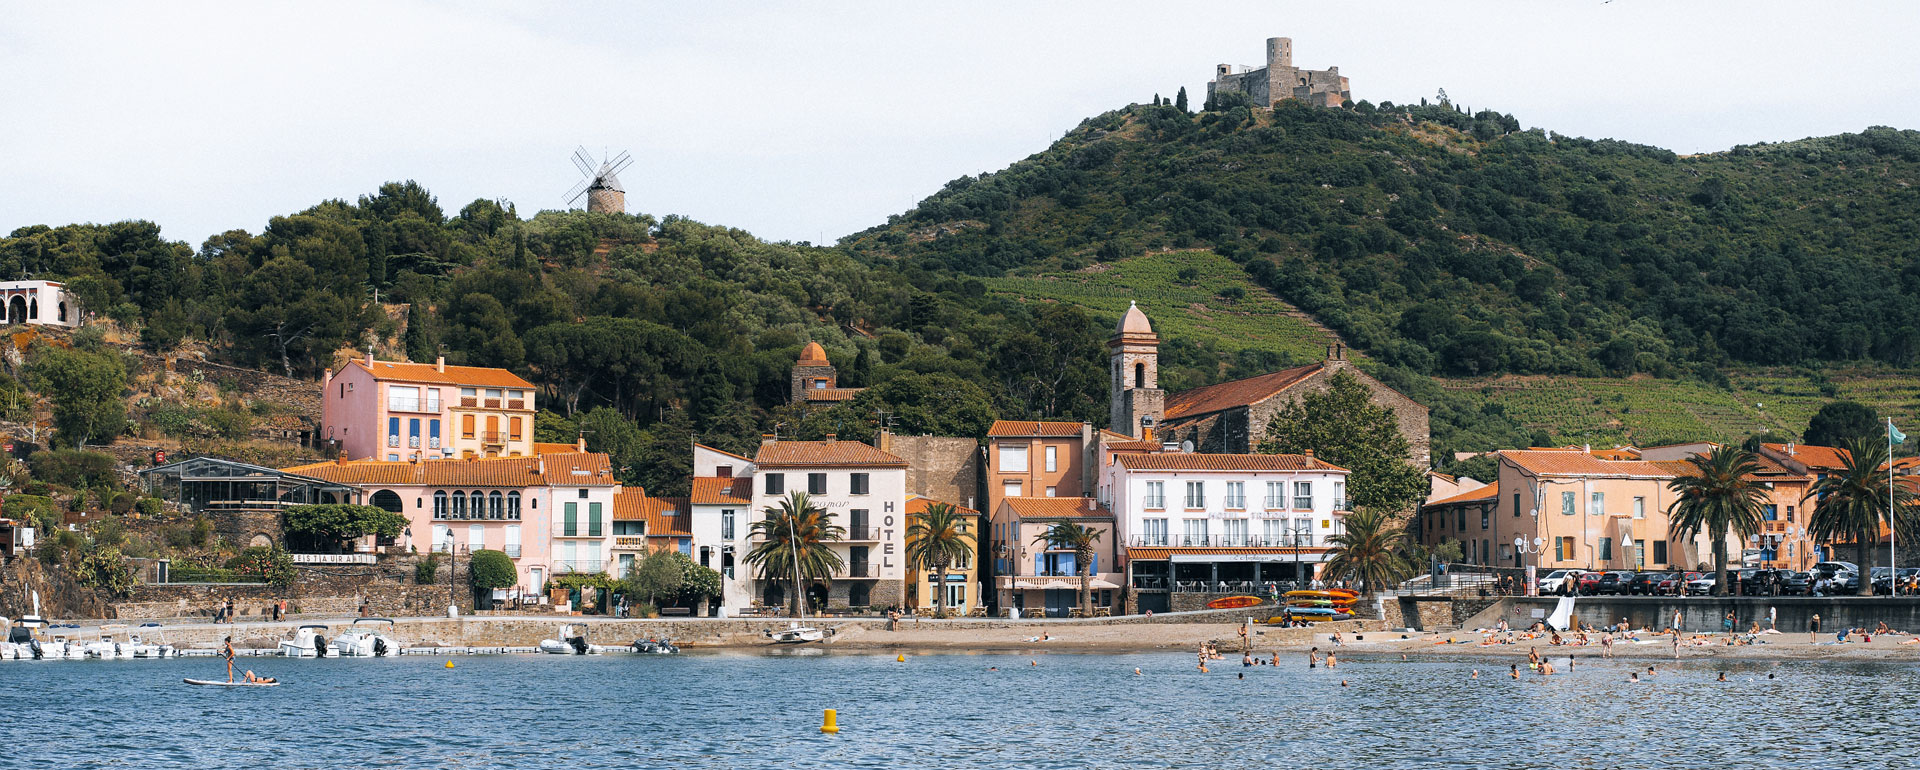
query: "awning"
1025, 584
1059, 585
1098, 583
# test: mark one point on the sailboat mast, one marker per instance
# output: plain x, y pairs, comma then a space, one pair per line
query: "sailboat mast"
793, 541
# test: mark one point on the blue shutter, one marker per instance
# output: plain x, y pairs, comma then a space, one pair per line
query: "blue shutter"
1039, 564
1094, 564
1067, 566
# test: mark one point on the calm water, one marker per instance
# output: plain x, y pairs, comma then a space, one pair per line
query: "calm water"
740, 710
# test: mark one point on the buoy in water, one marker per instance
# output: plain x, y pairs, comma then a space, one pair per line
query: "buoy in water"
449, 664
830, 722
899, 658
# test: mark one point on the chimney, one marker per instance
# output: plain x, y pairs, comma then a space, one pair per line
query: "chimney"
1309, 454
1146, 427
326, 379
1790, 451
1091, 507
440, 364
580, 443
342, 460
540, 466
831, 437
369, 358
767, 438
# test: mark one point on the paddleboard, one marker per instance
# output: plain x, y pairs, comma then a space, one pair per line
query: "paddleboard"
218, 683
1233, 602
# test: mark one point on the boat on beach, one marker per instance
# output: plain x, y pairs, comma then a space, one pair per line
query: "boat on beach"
364, 639
795, 633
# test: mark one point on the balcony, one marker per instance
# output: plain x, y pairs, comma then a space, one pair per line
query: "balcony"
630, 542
1775, 527
490, 403
579, 566
860, 569
514, 403
493, 437
863, 533
469, 401
1218, 541
430, 405
512, 549
1152, 503
476, 516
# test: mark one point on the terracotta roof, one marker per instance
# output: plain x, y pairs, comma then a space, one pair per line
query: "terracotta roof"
1770, 470
1056, 508
1156, 554
593, 470
722, 451
1564, 462
630, 504
544, 448
1194, 461
720, 490
918, 504
827, 453
1227, 395
812, 355
1481, 494
475, 376
1025, 428
1134, 446
1822, 457
832, 394
669, 517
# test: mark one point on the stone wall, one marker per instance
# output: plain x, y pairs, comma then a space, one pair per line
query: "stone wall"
386, 587
944, 468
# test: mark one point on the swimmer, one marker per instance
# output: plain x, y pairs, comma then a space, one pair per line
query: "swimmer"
1246, 660
1476, 674
1330, 661
1513, 671
1649, 671
1723, 676
1633, 676
997, 668
1033, 663
1769, 675
1276, 658
1243, 676
1313, 657
1136, 671
1403, 656
1343, 683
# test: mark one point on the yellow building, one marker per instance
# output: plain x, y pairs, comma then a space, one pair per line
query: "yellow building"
962, 578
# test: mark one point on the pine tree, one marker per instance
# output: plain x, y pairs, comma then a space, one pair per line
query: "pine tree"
1180, 100
1156, 100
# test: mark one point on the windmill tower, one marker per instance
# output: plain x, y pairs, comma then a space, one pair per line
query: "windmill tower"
601, 184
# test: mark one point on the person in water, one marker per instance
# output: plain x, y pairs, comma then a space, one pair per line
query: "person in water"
1313, 657
1633, 676
1513, 671
1723, 676
226, 651
1330, 660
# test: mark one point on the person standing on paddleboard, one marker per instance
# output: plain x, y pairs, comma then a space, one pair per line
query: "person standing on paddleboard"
226, 651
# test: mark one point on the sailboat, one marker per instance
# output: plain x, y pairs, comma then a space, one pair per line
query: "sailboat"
795, 633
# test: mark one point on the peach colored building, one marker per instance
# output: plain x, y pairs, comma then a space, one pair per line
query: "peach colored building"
1589, 513
962, 586
1036, 577
395, 410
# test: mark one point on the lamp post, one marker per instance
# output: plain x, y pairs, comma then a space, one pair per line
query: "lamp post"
1523, 547
453, 577
1299, 565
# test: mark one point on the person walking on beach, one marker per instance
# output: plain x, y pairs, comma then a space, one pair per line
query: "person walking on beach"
1773, 619
1813, 628
1606, 646
229, 611
1726, 623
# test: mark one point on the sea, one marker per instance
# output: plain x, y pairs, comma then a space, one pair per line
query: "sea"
947, 710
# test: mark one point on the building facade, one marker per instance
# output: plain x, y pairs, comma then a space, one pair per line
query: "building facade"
1280, 80
1032, 576
961, 590
395, 410
722, 515
863, 490
39, 303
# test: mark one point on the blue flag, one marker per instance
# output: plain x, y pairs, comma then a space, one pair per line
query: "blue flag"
1895, 434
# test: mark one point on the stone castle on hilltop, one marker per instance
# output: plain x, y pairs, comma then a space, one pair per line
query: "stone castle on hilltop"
1281, 80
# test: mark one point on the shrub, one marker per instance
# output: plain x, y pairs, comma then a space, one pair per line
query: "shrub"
491, 569
72, 467
180, 536
78, 502
336, 522
148, 506
424, 569
202, 531
268, 563
110, 532
102, 568
228, 423
122, 503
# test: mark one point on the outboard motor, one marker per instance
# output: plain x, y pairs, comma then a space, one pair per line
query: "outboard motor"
37, 652
579, 644
319, 646
379, 647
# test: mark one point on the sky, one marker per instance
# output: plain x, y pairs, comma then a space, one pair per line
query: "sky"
810, 121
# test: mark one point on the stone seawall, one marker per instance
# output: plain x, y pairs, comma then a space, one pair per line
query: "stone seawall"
1703, 614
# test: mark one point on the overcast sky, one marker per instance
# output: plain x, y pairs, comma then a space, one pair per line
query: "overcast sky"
804, 121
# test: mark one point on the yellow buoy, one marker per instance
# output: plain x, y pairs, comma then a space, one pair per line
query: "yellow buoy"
449, 664
899, 658
831, 722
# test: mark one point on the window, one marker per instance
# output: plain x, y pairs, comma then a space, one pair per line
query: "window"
1196, 495
956, 594
1461, 514
583, 493
493, 429
1276, 495
1485, 515
776, 484
1789, 514
413, 434
1013, 459
1303, 532
1053, 458
403, 399
723, 471
1236, 532
1566, 503
1009, 489
1639, 507
1156, 495
1154, 531
1769, 512
726, 524
1516, 505
433, 399
469, 397
513, 429
593, 519
1196, 533
496, 505
816, 483
1563, 548
1274, 530
393, 431
513, 506
1639, 554
433, 434
1236, 494
440, 504
1140, 375
1053, 491
819, 384
1597, 504
1606, 549
1303, 495
466, 426
459, 505
1659, 551
858, 484
570, 522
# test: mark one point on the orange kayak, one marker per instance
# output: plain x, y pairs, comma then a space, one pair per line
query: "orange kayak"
1233, 602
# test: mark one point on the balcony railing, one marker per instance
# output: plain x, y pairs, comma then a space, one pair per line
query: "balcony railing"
514, 403
863, 532
1196, 503
469, 401
630, 541
582, 566
1154, 503
476, 516
493, 437
429, 405
512, 549
1274, 503
858, 570
1774, 527
1219, 541
1151, 540
491, 403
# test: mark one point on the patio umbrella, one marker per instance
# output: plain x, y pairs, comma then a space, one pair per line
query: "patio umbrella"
1099, 583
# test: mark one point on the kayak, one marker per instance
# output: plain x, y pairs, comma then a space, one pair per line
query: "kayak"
1341, 603
218, 683
1317, 611
1334, 593
1233, 602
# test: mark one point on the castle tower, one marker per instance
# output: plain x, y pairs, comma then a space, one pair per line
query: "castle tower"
1134, 356
813, 372
1279, 52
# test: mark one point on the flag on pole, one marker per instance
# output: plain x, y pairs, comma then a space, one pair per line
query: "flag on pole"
1894, 434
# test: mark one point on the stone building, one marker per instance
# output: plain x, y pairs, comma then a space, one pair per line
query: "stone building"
44, 303
815, 380
1231, 417
1281, 80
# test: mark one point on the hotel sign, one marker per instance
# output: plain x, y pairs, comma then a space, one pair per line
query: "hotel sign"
1207, 558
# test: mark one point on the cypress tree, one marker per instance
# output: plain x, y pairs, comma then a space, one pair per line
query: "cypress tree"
1180, 99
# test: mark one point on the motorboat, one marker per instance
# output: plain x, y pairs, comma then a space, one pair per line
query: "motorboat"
105, 647
145, 650
572, 641
31, 638
367, 638
661, 646
309, 641
795, 633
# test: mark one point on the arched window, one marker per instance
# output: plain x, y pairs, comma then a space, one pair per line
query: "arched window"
1139, 375
386, 500
459, 505
62, 312
496, 506
440, 504
513, 505
33, 308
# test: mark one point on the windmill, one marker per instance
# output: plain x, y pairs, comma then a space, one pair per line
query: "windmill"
601, 185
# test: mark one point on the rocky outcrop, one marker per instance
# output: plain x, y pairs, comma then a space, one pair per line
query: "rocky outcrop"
60, 595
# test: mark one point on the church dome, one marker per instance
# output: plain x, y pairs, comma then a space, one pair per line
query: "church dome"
813, 355
1134, 321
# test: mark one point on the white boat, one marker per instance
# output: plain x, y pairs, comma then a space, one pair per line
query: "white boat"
572, 641
661, 646
795, 633
31, 638
366, 640
309, 641
148, 650
105, 647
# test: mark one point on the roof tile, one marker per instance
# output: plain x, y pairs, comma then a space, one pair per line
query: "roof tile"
1227, 395
575, 469
1194, 461
1563, 462
1057, 508
1475, 495
720, 490
1024, 428
476, 376
823, 453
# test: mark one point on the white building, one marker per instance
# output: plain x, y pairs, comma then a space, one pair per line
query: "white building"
44, 303
723, 512
863, 490
1212, 523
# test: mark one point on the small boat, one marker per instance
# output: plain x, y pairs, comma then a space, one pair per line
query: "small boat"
104, 647
366, 641
662, 646
572, 641
145, 650
1234, 602
218, 683
795, 633
309, 641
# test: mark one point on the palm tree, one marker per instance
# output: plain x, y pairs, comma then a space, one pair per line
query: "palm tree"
1368, 552
1719, 497
936, 539
1852, 502
1068, 536
796, 529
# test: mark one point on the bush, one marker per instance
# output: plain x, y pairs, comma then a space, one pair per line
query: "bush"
122, 503
102, 568
72, 467
268, 563
180, 537
491, 569
110, 532
148, 506
424, 569
202, 531
337, 522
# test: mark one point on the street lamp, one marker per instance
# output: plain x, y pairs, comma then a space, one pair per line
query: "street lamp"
1298, 564
453, 578
1523, 547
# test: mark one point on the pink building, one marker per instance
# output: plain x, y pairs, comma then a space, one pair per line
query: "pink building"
552, 514
395, 410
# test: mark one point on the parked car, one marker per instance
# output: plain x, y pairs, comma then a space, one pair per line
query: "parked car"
1883, 579
1675, 583
1613, 583
1795, 583
1702, 585
1762, 582
1646, 583
1588, 583
1557, 580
